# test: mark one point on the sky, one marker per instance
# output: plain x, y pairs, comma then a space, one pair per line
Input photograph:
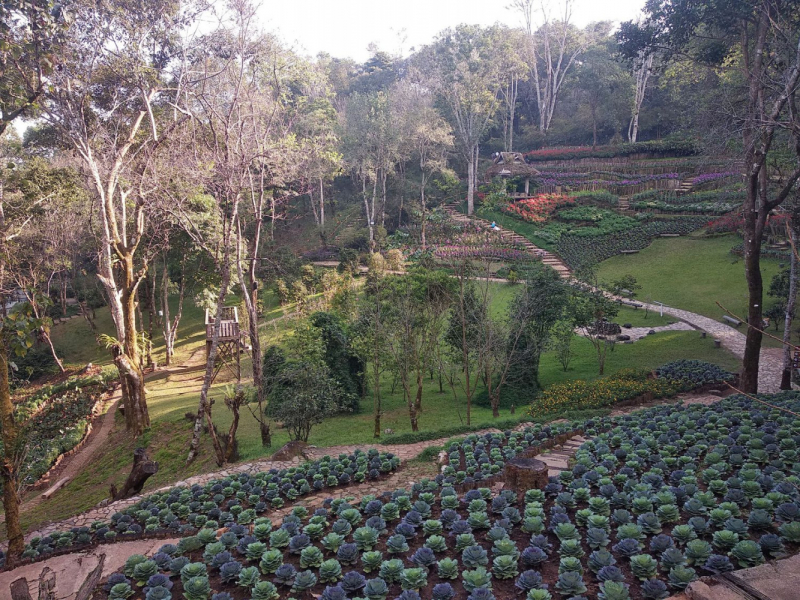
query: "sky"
345, 28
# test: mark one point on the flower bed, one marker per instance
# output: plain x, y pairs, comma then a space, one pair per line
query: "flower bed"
56, 419
730, 194
658, 148
580, 251
180, 510
451, 253
608, 391
626, 385
480, 459
538, 209
653, 501
694, 373
615, 181
712, 208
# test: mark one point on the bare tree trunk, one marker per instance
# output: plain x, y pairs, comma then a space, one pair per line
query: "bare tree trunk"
204, 406
49, 340
376, 392
786, 379
424, 216
321, 204
471, 182
171, 326
9, 464
62, 288
250, 281
642, 72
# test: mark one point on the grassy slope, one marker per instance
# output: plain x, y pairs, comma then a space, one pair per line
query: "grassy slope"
691, 273
170, 398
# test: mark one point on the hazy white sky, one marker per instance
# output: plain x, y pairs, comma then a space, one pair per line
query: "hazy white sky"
344, 28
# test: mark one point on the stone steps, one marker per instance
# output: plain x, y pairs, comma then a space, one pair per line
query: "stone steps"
547, 258
557, 458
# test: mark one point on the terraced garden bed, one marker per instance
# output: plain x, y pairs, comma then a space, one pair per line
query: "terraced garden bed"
653, 501
56, 419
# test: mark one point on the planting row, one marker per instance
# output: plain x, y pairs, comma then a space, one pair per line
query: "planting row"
220, 501
625, 385
653, 501
579, 252
664, 148
710, 208
55, 420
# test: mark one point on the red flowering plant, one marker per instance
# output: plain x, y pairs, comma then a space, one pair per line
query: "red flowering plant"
539, 208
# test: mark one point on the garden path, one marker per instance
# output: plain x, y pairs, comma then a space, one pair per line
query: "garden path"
72, 569
771, 363
548, 258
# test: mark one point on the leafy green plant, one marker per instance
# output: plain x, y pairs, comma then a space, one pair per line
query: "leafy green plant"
447, 568
270, 561
391, 570
371, 561
303, 581
476, 578
264, 590
644, 566
570, 584
311, 557
196, 588
614, 590
680, 577
330, 571
505, 567
747, 553
413, 579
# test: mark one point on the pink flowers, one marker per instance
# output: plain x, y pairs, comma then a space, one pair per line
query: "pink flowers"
539, 208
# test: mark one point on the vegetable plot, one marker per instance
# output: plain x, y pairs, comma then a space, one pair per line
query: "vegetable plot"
655, 500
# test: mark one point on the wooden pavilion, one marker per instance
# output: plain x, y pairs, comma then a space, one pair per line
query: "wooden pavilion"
512, 164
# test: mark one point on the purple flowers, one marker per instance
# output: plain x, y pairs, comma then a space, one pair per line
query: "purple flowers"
707, 177
573, 179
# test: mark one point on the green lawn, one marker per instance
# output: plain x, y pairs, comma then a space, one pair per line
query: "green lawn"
525, 229
76, 344
692, 273
173, 395
443, 410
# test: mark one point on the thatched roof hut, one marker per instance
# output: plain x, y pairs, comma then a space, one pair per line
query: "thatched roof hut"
511, 164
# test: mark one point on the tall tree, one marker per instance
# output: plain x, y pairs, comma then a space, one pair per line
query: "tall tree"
599, 76
757, 44
426, 136
465, 68
119, 72
555, 46
642, 69
31, 34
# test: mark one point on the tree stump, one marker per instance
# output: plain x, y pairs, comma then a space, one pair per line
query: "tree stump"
523, 474
142, 469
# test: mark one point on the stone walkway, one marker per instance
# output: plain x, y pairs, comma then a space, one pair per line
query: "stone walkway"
771, 364
637, 333
774, 580
557, 459
406, 452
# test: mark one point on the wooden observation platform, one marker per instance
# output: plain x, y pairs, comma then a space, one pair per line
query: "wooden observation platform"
229, 345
